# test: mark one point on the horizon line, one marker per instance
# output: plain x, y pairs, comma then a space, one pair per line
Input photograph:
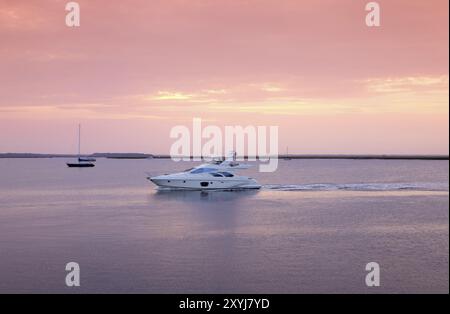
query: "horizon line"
279, 156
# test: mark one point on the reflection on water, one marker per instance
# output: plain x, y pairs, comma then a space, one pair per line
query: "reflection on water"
204, 212
203, 196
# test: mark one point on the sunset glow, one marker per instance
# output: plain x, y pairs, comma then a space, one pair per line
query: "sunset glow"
134, 69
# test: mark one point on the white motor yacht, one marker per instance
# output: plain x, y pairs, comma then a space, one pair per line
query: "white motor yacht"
216, 175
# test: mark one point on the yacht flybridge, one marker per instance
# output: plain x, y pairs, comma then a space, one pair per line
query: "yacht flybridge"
216, 175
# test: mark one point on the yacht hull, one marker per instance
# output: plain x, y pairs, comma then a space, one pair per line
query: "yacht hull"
204, 184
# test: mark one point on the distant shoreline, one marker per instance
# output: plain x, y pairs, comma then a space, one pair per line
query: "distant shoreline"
294, 156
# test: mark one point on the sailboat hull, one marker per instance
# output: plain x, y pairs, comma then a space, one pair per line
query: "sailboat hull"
80, 165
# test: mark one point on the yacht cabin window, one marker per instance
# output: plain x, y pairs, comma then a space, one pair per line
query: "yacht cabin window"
226, 174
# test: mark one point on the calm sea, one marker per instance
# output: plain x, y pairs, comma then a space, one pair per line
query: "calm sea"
313, 227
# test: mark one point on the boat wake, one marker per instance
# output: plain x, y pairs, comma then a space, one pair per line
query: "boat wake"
422, 186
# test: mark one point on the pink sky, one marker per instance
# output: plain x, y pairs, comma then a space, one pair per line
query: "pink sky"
134, 69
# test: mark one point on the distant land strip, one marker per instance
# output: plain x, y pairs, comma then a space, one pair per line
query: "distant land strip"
285, 157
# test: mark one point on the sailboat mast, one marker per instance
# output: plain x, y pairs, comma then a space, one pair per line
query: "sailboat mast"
79, 140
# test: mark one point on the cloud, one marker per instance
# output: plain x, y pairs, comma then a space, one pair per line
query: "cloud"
419, 94
165, 95
271, 88
408, 84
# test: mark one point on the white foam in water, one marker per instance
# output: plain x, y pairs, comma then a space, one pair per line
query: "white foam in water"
423, 186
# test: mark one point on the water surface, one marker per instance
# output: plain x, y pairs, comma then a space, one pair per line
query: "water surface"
313, 227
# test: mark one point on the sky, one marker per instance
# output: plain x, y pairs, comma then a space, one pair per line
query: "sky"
135, 69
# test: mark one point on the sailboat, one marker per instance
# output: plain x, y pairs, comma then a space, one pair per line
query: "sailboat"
83, 162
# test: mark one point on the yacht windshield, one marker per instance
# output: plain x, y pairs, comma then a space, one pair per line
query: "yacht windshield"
203, 170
